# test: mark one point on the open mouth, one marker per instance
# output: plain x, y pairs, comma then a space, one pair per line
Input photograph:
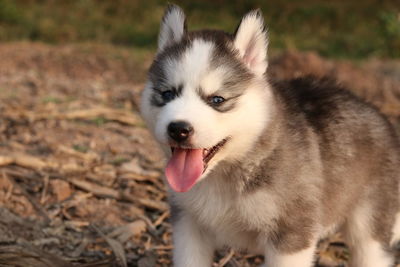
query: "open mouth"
186, 165
208, 153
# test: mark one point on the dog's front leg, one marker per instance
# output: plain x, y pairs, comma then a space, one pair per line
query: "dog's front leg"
302, 258
192, 246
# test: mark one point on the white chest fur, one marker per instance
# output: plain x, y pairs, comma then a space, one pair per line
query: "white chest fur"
233, 218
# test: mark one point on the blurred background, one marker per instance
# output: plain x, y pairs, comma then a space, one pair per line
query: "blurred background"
81, 177
334, 28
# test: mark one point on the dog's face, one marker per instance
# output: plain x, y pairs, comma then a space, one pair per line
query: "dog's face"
206, 98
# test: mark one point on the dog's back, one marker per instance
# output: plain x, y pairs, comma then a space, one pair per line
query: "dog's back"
358, 148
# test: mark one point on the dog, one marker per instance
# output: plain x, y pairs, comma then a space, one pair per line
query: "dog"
270, 167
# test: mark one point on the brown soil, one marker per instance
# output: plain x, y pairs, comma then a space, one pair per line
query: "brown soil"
80, 176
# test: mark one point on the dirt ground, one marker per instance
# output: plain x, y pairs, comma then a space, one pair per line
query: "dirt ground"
81, 177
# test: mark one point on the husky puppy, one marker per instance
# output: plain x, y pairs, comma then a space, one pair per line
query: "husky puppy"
268, 167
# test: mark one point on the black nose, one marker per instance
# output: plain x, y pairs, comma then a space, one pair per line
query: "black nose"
180, 130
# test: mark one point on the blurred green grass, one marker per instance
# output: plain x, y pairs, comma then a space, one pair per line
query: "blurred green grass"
336, 28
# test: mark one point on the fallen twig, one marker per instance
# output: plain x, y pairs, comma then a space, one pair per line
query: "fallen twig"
148, 203
33, 201
118, 115
96, 189
161, 219
103, 191
116, 247
23, 160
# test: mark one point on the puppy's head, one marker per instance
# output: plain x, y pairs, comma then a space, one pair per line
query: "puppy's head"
206, 98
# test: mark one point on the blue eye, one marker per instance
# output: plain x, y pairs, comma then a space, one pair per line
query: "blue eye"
168, 95
217, 100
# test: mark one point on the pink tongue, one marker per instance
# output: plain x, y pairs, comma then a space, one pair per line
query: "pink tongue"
184, 168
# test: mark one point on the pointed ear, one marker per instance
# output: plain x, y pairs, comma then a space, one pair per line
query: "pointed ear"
173, 26
251, 41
